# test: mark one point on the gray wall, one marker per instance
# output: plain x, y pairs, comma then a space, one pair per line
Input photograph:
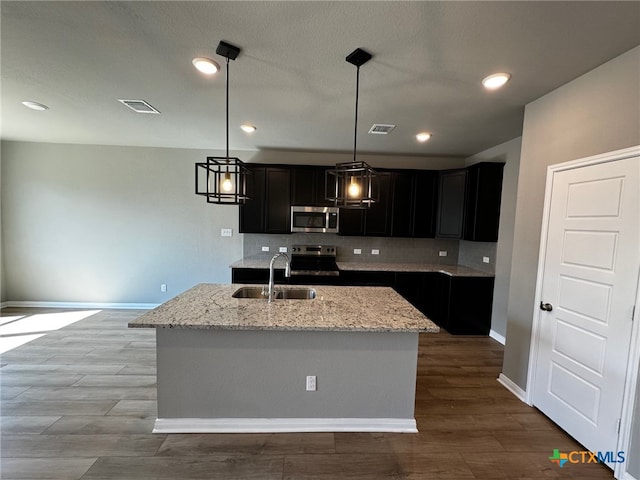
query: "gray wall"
596, 113
108, 224
509, 153
3, 295
88, 223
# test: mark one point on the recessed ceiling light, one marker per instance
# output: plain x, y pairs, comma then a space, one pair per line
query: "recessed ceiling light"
205, 65
248, 128
35, 106
496, 80
423, 136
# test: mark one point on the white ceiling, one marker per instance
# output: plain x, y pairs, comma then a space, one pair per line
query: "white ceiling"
291, 79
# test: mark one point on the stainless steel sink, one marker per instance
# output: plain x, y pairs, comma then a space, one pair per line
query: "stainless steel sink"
286, 294
250, 292
296, 294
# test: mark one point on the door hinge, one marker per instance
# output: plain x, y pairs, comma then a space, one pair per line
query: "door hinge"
618, 421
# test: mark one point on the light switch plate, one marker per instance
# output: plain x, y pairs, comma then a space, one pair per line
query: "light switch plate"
282, 249
485, 260
265, 249
226, 232
357, 251
442, 253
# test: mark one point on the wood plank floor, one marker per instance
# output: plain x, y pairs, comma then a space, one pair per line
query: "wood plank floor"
79, 403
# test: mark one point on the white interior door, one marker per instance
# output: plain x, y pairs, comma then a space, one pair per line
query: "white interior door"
588, 290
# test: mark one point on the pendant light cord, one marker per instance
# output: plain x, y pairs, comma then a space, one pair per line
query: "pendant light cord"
355, 131
227, 114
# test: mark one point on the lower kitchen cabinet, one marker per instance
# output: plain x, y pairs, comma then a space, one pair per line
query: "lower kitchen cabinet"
257, 276
358, 278
460, 305
465, 305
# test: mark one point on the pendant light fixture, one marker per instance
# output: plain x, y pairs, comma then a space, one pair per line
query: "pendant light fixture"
353, 184
223, 180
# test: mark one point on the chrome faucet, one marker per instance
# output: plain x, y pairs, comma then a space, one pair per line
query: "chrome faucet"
287, 273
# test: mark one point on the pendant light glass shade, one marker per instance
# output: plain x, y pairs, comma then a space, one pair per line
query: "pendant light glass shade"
223, 180
353, 184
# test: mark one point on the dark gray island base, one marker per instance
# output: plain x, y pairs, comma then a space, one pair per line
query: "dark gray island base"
240, 365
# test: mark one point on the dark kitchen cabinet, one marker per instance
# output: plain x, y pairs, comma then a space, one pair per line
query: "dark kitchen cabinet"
259, 276
377, 218
452, 189
469, 202
425, 204
402, 204
351, 221
308, 186
484, 191
413, 204
269, 209
411, 286
252, 213
466, 305
367, 278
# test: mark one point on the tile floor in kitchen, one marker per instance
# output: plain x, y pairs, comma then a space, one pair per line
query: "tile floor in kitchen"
79, 403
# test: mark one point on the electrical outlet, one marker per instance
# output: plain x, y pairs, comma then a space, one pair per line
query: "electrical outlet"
311, 383
442, 253
226, 232
163, 287
265, 249
485, 260
375, 251
282, 249
357, 251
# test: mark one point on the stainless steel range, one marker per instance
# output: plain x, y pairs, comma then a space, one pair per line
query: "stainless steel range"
314, 260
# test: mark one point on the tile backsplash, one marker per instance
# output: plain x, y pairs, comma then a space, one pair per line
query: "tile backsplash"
471, 254
401, 250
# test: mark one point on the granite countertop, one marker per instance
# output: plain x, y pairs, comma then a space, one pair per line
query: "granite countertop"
342, 309
452, 270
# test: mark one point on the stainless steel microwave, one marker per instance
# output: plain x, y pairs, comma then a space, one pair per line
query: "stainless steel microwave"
314, 219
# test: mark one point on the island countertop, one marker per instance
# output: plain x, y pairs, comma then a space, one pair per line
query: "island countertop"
341, 309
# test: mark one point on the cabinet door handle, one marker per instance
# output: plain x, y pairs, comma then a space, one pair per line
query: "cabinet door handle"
547, 307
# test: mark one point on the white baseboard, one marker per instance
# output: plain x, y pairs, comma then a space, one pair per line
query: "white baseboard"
497, 337
512, 387
628, 476
283, 425
4, 304
123, 306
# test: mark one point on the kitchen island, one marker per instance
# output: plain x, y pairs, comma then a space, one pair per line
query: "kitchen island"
241, 364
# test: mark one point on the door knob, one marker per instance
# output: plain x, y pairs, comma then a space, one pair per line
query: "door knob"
547, 307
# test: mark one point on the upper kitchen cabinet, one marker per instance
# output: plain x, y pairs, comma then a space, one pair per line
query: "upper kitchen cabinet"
484, 191
452, 189
308, 186
469, 202
414, 202
269, 209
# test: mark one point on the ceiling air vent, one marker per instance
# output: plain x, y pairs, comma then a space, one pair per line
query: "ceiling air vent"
139, 106
381, 129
